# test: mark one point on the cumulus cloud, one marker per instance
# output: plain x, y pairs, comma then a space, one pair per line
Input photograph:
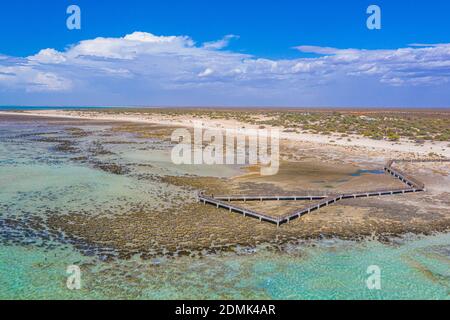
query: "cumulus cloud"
206, 72
48, 56
25, 74
158, 66
131, 46
32, 80
417, 65
220, 44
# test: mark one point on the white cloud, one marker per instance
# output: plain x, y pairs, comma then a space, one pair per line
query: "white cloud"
32, 80
46, 81
206, 72
316, 49
130, 46
142, 62
421, 65
48, 56
220, 44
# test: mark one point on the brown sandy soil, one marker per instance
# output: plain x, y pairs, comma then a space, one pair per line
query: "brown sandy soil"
305, 175
416, 131
370, 182
154, 131
323, 177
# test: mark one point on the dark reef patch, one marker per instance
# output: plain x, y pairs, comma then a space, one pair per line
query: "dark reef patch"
111, 168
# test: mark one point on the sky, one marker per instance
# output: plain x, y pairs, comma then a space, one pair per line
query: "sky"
225, 53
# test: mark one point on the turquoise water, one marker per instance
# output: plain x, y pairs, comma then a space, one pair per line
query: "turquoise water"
415, 269
34, 108
365, 171
37, 180
20, 108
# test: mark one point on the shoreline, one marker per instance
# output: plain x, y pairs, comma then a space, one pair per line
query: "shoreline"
403, 146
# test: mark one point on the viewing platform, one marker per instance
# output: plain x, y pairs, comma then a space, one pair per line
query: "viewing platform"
323, 200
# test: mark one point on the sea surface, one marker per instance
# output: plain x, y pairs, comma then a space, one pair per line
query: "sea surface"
30, 108
37, 179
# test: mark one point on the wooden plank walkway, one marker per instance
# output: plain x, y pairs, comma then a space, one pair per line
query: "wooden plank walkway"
270, 198
413, 185
234, 208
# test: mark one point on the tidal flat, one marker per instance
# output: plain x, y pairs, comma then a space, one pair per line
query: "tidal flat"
105, 195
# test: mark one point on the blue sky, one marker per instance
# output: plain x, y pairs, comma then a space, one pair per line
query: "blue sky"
243, 53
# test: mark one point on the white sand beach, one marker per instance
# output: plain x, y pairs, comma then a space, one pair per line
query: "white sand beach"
402, 146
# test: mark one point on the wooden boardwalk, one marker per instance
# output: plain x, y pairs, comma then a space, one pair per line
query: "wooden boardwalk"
412, 185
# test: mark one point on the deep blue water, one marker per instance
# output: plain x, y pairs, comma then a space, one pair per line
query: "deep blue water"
24, 108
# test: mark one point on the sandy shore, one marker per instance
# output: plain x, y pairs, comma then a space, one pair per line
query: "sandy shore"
403, 146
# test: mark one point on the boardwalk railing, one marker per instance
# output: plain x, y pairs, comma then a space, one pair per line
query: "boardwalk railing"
413, 185
234, 208
270, 197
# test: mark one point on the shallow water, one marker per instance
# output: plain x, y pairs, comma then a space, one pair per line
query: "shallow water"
37, 180
416, 269
363, 171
